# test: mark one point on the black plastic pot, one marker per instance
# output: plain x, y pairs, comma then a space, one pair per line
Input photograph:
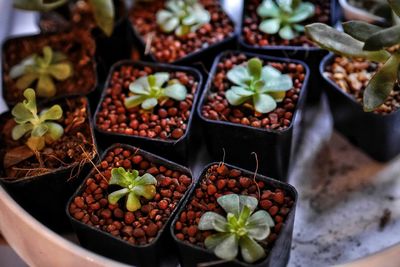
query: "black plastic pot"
176, 150
192, 255
202, 56
378, 135
311, 55
272, 147
33, 38
45, 196
152, 254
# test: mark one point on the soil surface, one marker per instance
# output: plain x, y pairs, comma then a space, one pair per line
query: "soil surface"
167, 47
79, 48
353, 76
221, 180
167, 120
59, 154
142, 226
253, 36
216, 106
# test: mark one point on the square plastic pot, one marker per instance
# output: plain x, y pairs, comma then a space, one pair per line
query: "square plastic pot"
192, 255
311, 55
152, 254
203, 56
45, 196
377, 135
176, 150
273, 147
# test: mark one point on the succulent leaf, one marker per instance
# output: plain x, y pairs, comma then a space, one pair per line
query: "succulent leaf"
133, 187
148, 90
263, 85
383, 39
360, 30
251, 251
395, 5
38, 5
104, 14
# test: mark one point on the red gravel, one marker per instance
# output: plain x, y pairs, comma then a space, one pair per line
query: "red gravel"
167, 121
253, 36
216, 106
275, 201
168, 47
142, 226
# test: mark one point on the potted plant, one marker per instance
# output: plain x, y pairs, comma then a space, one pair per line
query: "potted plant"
231, 210
150, 105
252, 103
376, 89
125, 204
54, 64
181, 31
44, 151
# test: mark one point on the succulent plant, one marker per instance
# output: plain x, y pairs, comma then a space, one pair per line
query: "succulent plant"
182, 16
103, 10
370, 42
283, 17
40, 127
147, 91
241, 228
262, 85
134, 187
53, 65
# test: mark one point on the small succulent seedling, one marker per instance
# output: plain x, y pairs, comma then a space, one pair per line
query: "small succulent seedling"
241, 228
182, 16
134, 187
367, 41
103, 10
263, 85
40, 127
148, 91
53, 65
284, 16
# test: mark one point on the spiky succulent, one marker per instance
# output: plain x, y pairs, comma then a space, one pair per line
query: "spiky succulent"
182, 16
53, 65
147, 91
283, 17
103, 10
240, 228
263, 86
134, 187
40, 127
370, 42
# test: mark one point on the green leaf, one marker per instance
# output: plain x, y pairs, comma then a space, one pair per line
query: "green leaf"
149, 103
278, 95
341, 43
133, 202
234, 99
287, 33
360, 30
283, 83
55, 130
228, 248
395, 5
26, 80
239, 75
20, 130
121, 177
182, 30
254, 67
169, 25
176, 91
140, 86
134, 101
19, 69
270, 26
285, 5
230, 203
244, 214
214, 240
38, 5
242, 91
25, 111
381, 84
250, 202
104, 15
161, 78
263, 103
47, 55
258, 225
39, 130
269, 72
251, 251
382, 39
208, 219
146, 191
115, 196
302, 12
36, 143
45, 87
268, 8
146, 179
54, 113
61, 71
